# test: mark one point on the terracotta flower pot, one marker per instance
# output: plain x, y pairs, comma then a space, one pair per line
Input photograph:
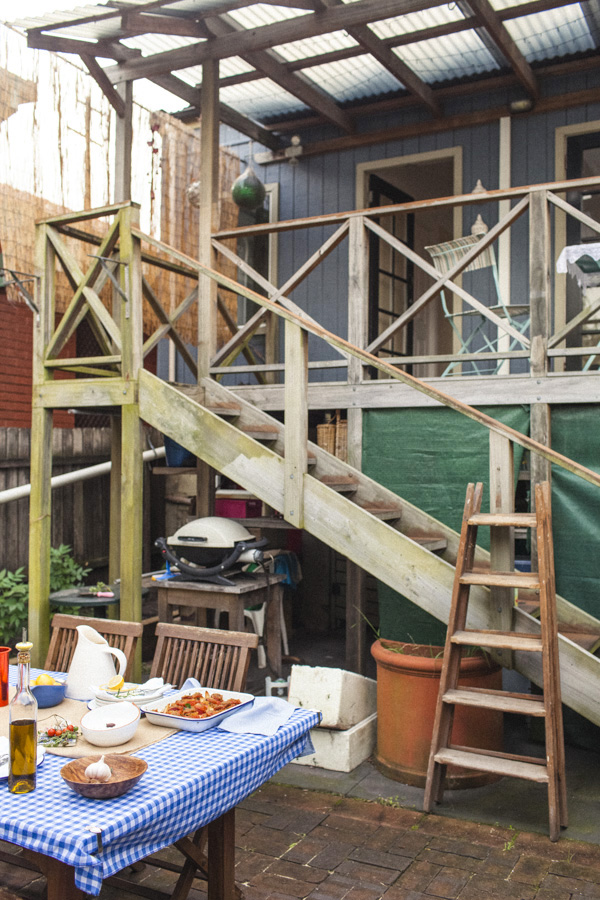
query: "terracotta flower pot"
408, 680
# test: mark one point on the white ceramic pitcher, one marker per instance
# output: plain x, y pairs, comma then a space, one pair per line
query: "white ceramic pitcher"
92, 663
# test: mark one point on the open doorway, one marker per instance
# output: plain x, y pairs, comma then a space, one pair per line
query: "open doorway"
394, 283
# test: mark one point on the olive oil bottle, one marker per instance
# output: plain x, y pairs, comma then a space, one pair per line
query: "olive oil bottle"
23, 729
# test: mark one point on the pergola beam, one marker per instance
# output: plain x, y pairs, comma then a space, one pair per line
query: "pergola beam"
270, 65
359, 13
493, 26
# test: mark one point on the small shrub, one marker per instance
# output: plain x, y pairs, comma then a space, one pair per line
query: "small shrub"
14, 594
14, 590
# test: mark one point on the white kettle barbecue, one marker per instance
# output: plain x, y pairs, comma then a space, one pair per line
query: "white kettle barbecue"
92, 663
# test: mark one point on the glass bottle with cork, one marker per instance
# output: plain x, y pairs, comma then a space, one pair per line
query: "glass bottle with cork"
23, 729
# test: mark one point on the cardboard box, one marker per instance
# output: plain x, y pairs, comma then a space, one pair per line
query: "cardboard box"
343, 698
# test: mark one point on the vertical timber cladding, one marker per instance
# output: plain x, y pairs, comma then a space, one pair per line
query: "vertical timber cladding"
576, 507
428, 456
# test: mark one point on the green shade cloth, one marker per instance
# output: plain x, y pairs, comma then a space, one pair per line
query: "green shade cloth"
428, 456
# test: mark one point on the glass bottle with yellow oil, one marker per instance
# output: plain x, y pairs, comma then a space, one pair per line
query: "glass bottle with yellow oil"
23, 729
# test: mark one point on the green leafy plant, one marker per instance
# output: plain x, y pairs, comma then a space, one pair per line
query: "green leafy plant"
64, 571
14, 590
14, 594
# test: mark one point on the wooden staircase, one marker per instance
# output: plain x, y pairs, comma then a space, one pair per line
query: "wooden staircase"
383, 534
550, 769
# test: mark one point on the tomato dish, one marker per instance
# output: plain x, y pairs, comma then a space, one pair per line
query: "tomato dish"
200, 705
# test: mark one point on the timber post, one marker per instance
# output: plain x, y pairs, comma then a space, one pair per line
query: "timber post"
122, 192
40, 503
132, 466
358, 317
296, 422
502, 542
207, 288
539, 298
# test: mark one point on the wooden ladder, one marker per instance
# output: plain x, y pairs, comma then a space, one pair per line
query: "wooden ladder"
549, 770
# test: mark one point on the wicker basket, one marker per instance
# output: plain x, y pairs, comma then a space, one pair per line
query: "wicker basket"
333, 436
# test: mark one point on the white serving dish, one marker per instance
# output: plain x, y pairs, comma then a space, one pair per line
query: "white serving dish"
155, 715
124, 717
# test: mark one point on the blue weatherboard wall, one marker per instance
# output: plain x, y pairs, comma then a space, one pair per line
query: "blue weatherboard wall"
428, 456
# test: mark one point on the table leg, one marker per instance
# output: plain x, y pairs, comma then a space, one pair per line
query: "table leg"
221, 857
60, 877
273, 628
236, 612
163, 605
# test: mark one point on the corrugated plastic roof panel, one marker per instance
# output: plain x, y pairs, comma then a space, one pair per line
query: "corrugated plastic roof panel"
452, 56
304, 49
554, 33
339, 78
261, 99
427, 18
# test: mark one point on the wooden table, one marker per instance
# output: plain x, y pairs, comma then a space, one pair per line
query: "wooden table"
248, 590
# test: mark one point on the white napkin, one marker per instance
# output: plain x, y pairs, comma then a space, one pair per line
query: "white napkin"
264, 717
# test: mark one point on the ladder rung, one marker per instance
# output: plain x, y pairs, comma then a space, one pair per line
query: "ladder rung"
524, 520
505, 701
509, 640
499, 765
502, 579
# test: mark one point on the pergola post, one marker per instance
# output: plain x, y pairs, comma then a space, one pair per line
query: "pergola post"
122, 191
208, 223
358, 305
40, 502
539, 294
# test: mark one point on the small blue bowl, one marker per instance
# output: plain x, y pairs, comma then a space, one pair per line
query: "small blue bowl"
49, 694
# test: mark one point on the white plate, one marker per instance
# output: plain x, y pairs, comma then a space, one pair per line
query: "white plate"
41, 752
105, 698
155, 715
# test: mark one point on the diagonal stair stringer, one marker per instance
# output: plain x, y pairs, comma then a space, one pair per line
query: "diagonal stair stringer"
392, 557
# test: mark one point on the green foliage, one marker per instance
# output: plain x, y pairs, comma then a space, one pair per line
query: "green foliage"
14, 590
14, 593
64, 571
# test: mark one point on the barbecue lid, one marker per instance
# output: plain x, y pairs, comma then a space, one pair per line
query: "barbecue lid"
212, 531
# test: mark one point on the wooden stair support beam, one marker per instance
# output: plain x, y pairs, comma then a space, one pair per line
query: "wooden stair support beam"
502, 543
296, 423
424, 578
550, 769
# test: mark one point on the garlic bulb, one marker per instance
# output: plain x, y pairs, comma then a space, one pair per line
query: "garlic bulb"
98, 771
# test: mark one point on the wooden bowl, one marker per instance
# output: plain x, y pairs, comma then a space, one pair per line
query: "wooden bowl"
126, 772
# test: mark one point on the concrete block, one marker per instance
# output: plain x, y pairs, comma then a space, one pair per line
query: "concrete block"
342, 751
343, 698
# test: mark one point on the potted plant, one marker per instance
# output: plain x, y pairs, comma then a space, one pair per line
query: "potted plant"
408, 680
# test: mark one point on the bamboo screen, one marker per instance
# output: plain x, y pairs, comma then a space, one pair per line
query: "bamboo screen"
56, 155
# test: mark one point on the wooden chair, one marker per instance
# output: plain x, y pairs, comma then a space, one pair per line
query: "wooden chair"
63, 640
219, 660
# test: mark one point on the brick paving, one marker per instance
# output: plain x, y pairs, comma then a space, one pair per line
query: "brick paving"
294, 844
359, 850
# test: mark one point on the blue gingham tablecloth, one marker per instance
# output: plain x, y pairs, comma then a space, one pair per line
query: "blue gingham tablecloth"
191, 780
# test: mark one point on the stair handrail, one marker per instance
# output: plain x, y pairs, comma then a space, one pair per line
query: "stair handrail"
368, 359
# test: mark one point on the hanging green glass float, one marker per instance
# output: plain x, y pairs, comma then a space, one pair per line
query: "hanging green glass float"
248, 191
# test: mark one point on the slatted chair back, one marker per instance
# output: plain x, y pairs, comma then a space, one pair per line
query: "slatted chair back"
63, 640
218, 659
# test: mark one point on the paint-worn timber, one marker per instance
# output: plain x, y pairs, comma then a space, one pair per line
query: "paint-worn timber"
338, 520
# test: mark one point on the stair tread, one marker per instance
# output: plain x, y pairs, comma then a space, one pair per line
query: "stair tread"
340, 483
431, 542
502, 579
383, 510
225, 409
260, 429
504, 701
499, 765
509, 640
524, 520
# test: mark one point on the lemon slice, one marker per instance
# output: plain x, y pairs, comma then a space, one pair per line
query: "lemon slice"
44, 679
114, 684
